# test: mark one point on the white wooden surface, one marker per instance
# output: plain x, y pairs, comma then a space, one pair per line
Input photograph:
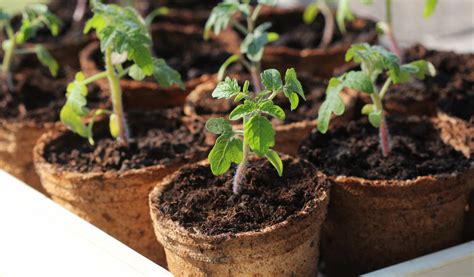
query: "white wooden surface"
40, 238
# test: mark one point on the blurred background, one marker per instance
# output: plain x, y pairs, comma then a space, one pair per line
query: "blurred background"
451, 26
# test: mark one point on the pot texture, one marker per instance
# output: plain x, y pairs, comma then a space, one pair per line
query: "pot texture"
289, 248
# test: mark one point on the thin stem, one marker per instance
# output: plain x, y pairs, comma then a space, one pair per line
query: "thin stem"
239, 26
254, 72
80, 10
384, 134
240, 173
328, 25
385, 87
116, 96
8, 58
394, 47
96, 77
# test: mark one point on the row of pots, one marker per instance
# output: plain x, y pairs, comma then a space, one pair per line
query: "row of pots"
429, 209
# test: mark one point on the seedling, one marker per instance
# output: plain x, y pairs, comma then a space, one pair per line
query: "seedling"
256, 37
126, 46
386, 27
374, 61
34, 18
257, 136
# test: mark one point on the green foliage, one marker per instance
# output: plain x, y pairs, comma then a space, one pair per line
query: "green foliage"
343, 12
430, 7
257, 134
121, 31
374, 61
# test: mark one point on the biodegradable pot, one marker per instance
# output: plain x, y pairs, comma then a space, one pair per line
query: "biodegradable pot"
317, 61
169, 40
113, 200
374, 222
200, 105
288, 248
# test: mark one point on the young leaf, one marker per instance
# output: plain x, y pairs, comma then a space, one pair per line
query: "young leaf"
165, 75
242, 110
430, 7
375, 118
358, 80
227, 150
73, 121
260, 134
271, 79
226, 89
221, 16
114, 125
136, 73
269, 108
292, 84
275, 160
46, 59
367, 109
332, 104
310, 13
219, 126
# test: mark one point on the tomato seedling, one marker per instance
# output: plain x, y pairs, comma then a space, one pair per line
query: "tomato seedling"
34, 17
126, 45
374, 61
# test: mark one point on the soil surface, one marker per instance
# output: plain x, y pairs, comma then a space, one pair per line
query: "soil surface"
266, 198
158, 138
294, 33
187, 4
314, 89
39, 97
354, 150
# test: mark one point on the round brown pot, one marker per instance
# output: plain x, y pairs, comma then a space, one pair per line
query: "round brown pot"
17, 139
320, 62
288, 135
114, 201
288, 248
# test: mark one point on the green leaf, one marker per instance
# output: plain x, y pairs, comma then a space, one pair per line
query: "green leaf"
254, 43
242, 110
232, 59
358, 80
226, 89
259, 134
332, 104
375, 117
293, 98
219, 126
74, 121
368, 108
430, 7
424, 69
226, 151
165, 75
76, 96
136, 73
271, 79
114, 125
269, 108
275, 160
343, 13
221, 16
46, 59
4, 16
272, 37
310, 13
292, 84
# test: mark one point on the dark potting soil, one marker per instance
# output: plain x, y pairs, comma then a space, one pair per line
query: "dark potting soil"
158, 138
187, 4
204, 203
294, 33
314, 89
353, 150
38, 96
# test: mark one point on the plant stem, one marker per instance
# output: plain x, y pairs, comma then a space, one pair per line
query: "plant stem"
328, 25
7, 59
240, 173
95, 77
239, 26
116, 96
390, 32
384, 133
80, 10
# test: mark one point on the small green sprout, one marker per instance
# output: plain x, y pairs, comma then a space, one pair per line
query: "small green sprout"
256, 37
386, 27
34, 17
257, 135
374, 61
124, 37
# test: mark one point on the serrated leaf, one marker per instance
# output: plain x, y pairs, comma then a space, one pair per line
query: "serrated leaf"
271, 79
165, 75
76, 97
259, 134
253, 46
292, 84
275, 160
269, 108
332, 104
430, 7
227, 150
46, 59
242, 110
114, 125
375, 118
310, 13
226, 89
367, 109
358, 80
218, 126
221, 16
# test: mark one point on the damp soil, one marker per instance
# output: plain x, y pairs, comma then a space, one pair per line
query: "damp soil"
39, 97
314, 89
294, 33
266, 198
353, 150
158, 138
